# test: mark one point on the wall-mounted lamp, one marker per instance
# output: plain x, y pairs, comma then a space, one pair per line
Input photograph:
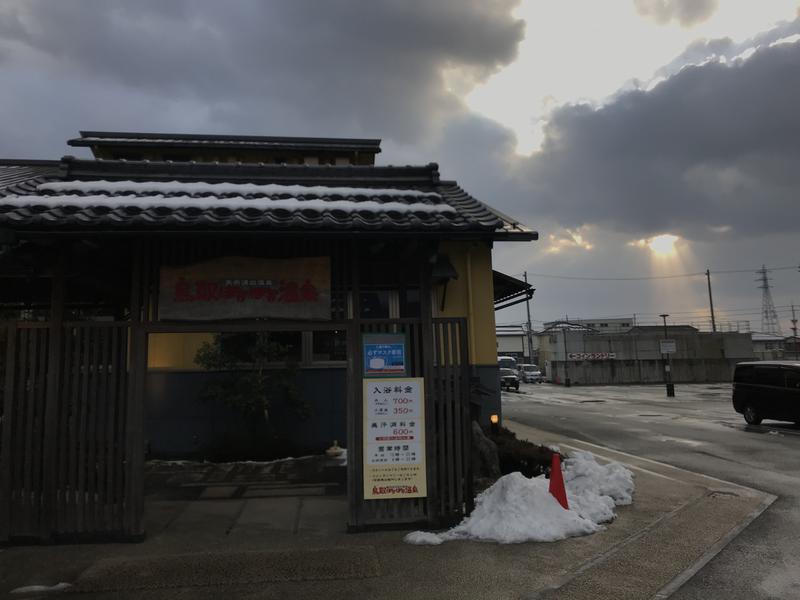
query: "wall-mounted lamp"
495, 421
441, 273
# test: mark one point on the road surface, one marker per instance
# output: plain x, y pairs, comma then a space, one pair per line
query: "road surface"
696, 430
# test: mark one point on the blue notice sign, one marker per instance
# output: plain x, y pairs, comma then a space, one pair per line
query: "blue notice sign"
384, 355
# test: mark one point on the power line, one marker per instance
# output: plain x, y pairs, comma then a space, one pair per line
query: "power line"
754, 310
650, 277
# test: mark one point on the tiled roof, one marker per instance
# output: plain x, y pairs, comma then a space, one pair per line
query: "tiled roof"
165, 196
32, 173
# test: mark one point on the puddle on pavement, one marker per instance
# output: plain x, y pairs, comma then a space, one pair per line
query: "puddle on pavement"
693, 443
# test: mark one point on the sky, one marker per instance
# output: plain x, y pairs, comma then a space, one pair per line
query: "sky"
640, 138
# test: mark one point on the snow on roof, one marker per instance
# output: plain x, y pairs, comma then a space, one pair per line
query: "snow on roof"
228, 202
767, 337
200, 187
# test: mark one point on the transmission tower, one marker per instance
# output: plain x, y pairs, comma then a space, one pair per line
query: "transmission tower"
769, 317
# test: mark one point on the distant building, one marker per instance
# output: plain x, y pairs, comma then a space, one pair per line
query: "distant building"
588, 357
768, 346
512, 341
791, 348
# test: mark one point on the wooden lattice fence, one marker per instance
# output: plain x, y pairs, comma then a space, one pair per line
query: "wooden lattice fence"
63, 467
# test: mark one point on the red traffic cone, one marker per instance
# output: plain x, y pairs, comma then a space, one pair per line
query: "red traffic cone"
557, 488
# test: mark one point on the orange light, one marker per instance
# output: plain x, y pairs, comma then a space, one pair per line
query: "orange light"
495, 419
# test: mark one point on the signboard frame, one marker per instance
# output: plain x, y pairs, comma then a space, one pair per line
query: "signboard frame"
591, 356
667, 346
245, 287
400, 476
382, 347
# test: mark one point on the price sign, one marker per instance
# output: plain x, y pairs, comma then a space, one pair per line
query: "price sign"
394, 438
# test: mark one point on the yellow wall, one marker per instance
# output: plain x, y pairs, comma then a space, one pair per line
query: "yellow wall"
175, 350
483, 341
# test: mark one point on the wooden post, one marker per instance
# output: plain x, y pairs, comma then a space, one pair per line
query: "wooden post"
426, 330
134, 422
7, 425
50, 449
467, 414
355, 426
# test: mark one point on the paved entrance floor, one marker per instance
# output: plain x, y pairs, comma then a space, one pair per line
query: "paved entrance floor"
297, 547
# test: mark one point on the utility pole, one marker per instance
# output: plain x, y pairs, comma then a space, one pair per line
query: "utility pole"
794, 335
711, 302
567, 382
667, 366
528, 308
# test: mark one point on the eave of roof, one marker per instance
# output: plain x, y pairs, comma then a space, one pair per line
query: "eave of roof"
507, 287
253, 142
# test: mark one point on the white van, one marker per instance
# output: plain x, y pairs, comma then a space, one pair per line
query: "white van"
507, 362
530, 374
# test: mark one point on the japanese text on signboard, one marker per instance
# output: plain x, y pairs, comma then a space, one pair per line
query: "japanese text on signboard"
241, 287
394, 435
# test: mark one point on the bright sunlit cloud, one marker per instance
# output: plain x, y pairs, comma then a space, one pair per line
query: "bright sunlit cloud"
584, 50
661, 245
571, 238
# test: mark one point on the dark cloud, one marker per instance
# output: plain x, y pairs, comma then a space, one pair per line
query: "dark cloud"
302, 67
686, 12
713, 146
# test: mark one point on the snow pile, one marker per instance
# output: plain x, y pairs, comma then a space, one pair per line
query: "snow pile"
594, 489
518, 509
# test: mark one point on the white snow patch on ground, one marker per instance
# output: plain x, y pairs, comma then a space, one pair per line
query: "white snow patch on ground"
31, 589
517, 509
423, 538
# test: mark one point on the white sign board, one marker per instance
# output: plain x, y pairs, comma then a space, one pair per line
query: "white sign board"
394, 438
592, 355
668, 346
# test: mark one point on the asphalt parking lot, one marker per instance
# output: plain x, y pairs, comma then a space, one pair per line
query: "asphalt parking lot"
697, 430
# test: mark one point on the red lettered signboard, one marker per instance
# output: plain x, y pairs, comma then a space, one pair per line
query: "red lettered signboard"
238, 287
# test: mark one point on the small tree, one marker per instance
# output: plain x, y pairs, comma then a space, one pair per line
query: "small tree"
252, 379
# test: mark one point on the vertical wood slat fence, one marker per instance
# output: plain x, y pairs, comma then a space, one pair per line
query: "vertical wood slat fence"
445, 367
86, 449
